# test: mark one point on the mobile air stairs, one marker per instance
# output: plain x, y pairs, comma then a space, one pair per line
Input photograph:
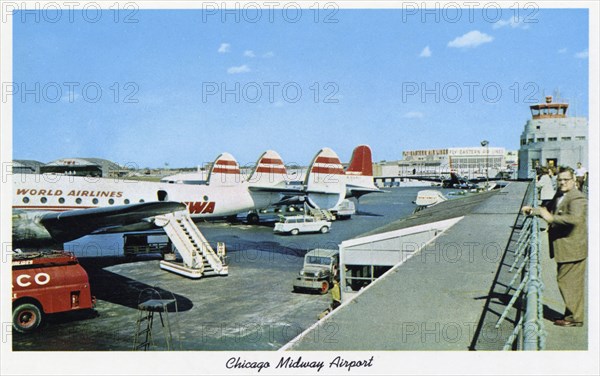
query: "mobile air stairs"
322, 214
199, 259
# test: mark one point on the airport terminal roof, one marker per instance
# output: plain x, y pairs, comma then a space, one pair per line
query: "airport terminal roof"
105, 163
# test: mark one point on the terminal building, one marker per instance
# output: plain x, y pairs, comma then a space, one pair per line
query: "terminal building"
470, 162
550, 138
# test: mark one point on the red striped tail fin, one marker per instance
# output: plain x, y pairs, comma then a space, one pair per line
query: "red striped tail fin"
225, 171
325, 182
269, 170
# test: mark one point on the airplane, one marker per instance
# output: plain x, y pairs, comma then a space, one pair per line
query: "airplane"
59, 208
358, 176
455, 181
294, 185
325, 170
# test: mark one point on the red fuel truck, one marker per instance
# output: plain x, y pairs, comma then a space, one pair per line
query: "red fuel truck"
47, 282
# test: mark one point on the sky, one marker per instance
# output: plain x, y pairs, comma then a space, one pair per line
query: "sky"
150, 88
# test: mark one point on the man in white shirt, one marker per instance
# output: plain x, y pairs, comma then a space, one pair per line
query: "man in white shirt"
581, 175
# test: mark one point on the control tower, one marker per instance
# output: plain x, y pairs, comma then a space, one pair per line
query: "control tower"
550, 138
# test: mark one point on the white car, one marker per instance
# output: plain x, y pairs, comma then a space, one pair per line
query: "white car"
301, 223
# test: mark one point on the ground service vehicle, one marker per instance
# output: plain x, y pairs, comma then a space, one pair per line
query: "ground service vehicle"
47, 282
320, 267
136, 243
345, 210
301, 223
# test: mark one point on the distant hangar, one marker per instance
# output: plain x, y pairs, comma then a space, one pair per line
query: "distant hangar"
95, 167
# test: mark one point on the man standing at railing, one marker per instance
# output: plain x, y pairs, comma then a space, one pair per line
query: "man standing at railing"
581, 175
567, 232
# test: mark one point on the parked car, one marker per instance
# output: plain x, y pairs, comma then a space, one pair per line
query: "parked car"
301, 223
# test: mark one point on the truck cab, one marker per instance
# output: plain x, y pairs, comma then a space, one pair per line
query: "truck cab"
320, 267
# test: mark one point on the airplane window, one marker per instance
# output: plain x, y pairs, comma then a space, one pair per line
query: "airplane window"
25, 200
205, 198
111, 201
44, 200
142, 200
95, 201
78, 200
61, 200
126, 201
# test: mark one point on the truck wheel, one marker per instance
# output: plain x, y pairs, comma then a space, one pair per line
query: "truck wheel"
295, 231
253, 218
324, 230
26, 318
324, 287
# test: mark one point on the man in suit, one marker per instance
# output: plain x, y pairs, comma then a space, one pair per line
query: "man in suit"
567, 232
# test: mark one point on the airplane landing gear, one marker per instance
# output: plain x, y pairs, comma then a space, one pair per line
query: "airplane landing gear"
252, 218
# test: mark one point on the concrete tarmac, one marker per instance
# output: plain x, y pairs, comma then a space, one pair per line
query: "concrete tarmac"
451, 294
254, 308
447, 297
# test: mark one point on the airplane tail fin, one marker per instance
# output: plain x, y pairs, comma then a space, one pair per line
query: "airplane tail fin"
324, 182
359, 174
269, 170
454, 178
225, 171
361, 162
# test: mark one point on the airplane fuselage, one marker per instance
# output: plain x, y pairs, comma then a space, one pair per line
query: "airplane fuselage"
64, 192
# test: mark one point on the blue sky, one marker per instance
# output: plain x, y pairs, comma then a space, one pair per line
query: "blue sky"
395, 81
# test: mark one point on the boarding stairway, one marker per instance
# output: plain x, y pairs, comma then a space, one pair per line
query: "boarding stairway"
321, 214
199, 258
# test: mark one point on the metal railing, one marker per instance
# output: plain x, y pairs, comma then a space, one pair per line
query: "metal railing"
530, 328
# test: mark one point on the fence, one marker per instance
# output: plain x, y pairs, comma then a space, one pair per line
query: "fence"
530, 327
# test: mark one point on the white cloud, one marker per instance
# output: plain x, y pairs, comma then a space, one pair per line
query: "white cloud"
470, 40
513, 22
249, 53
562, 51
426, 52
241, 69
268, 54
224, 48
413, 115
582, 55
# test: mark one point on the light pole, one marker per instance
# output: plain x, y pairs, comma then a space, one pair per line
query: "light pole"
485, 144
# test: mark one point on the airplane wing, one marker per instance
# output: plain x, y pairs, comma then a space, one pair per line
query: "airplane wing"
438, 179
59, 227
357, 191
298, 189
483, 180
